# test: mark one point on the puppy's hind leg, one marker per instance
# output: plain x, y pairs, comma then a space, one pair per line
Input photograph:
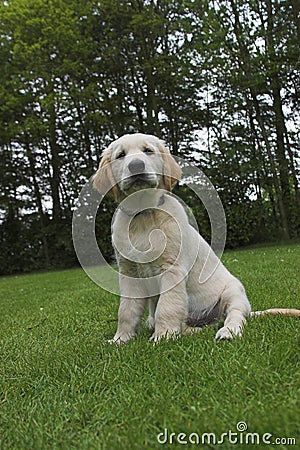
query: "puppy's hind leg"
236, 307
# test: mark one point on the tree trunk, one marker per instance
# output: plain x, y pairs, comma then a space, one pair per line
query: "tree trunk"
54, 150
152, 110
293, 170
245, 66
263, 173
281, 206
38, 202
282, 160
84, 131
296, 10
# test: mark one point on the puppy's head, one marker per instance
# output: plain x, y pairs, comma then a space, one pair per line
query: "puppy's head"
134, 162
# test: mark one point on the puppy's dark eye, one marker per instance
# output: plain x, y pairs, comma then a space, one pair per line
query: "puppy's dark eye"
148, 150
121, 155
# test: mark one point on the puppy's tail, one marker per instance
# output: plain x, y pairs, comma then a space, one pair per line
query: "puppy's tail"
277, 311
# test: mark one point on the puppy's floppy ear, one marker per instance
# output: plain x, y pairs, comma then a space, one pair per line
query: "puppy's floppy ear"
172, 170
103, 179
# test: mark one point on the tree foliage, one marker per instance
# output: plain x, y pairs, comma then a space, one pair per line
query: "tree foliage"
219, 81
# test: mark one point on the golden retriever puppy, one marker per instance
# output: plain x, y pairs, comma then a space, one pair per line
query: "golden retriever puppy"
163, 261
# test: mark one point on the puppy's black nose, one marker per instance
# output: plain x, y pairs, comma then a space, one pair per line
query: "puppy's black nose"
136, 166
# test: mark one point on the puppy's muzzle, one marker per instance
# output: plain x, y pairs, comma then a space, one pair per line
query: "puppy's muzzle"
139, 177
136, 166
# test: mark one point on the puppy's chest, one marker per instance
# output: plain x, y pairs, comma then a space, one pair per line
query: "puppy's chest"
145, 265
149, 246
148, 270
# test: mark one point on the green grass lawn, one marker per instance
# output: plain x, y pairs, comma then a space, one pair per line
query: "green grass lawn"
63, 387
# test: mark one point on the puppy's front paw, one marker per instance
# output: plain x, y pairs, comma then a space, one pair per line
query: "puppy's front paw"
226, 333
169, 334
120, 339
116, 342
